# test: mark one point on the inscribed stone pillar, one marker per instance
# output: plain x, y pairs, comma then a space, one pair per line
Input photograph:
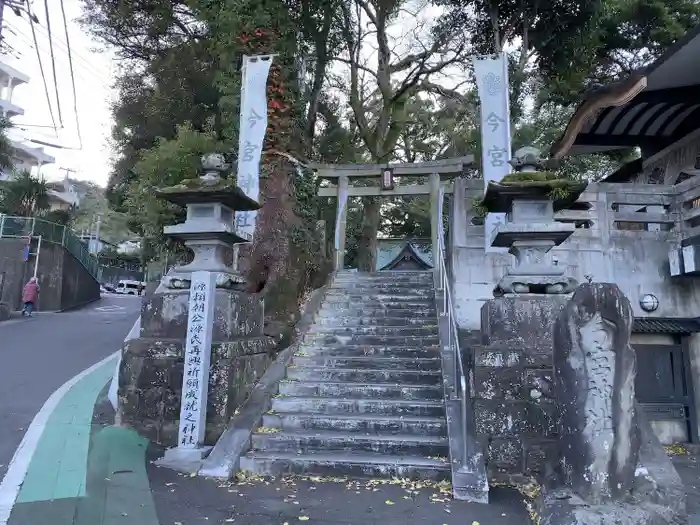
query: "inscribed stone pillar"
595, 369
340, 223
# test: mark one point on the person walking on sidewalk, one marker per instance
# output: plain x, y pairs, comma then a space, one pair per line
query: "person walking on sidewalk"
30, 294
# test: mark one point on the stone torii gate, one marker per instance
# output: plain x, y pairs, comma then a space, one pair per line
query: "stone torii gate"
439, 173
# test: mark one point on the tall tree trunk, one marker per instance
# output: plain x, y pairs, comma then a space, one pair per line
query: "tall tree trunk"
367, 243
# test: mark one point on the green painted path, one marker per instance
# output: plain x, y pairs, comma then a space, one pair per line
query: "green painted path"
57, 469
84, 472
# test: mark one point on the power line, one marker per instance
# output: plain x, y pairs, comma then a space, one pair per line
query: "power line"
72, 76
43, 74
86, 74
86, 64
53, 62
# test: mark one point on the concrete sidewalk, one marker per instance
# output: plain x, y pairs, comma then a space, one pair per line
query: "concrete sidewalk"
323, 501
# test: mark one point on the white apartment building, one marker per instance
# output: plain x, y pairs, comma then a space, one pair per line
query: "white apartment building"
62, 195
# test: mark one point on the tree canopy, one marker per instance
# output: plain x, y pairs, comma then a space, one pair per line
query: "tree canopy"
353, 81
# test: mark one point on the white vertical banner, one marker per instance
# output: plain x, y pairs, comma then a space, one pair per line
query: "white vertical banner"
251, 135
441, 227
195, 379
491, 72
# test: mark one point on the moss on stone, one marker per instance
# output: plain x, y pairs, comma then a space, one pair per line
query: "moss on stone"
544, 179
196, 184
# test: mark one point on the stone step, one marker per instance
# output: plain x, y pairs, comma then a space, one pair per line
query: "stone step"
424, 426
394, 331
339, 303
361, 390
366, 339
382, 292
371, 350
370, 407
308, 373
341, 463
350, 442
397, 311
384, 276
361, 320
384, 288
376, 363
379, 300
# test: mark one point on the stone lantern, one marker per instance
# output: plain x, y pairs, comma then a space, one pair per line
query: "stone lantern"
209, 231
232, 350
529, 199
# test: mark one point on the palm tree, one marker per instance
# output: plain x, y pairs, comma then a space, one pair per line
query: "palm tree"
23, 195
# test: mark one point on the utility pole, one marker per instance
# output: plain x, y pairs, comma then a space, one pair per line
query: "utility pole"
66, 170
2, 12
97, 231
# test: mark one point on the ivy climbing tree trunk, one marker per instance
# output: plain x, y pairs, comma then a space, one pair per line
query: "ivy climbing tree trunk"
282, 261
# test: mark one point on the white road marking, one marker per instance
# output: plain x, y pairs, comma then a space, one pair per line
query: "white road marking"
110, 308
17, 469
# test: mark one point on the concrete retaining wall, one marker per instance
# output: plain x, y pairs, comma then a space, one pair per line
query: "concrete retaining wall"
64, 281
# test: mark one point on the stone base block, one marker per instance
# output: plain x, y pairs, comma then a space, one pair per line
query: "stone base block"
523, 321
150, 384
236, 314
186, 460
658, 496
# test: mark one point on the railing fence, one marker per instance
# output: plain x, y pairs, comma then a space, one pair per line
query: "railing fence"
31, 227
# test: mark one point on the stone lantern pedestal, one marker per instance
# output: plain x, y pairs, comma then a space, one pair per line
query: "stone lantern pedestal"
512, 385
529, 233
208, 230
152, 367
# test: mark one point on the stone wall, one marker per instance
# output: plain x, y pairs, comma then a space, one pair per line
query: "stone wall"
150, 376
150, 384
636, 260
514, 412
12, 270
64, 282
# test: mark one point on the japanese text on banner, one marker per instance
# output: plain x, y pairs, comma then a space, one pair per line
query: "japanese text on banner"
492, 83
196, 366
253, 127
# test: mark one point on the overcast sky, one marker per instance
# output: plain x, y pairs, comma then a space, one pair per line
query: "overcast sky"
93, 78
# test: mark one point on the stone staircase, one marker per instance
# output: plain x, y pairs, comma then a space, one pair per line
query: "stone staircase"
363, 396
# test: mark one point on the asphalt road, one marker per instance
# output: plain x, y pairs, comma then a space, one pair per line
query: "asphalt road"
41, 353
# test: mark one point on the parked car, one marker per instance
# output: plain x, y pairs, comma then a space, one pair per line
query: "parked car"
129, 287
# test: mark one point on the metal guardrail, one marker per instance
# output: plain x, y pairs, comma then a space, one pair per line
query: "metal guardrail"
30, 227
459, 384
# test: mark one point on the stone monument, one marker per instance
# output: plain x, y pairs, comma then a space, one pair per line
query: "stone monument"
512, 386
168, 361
611, 467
